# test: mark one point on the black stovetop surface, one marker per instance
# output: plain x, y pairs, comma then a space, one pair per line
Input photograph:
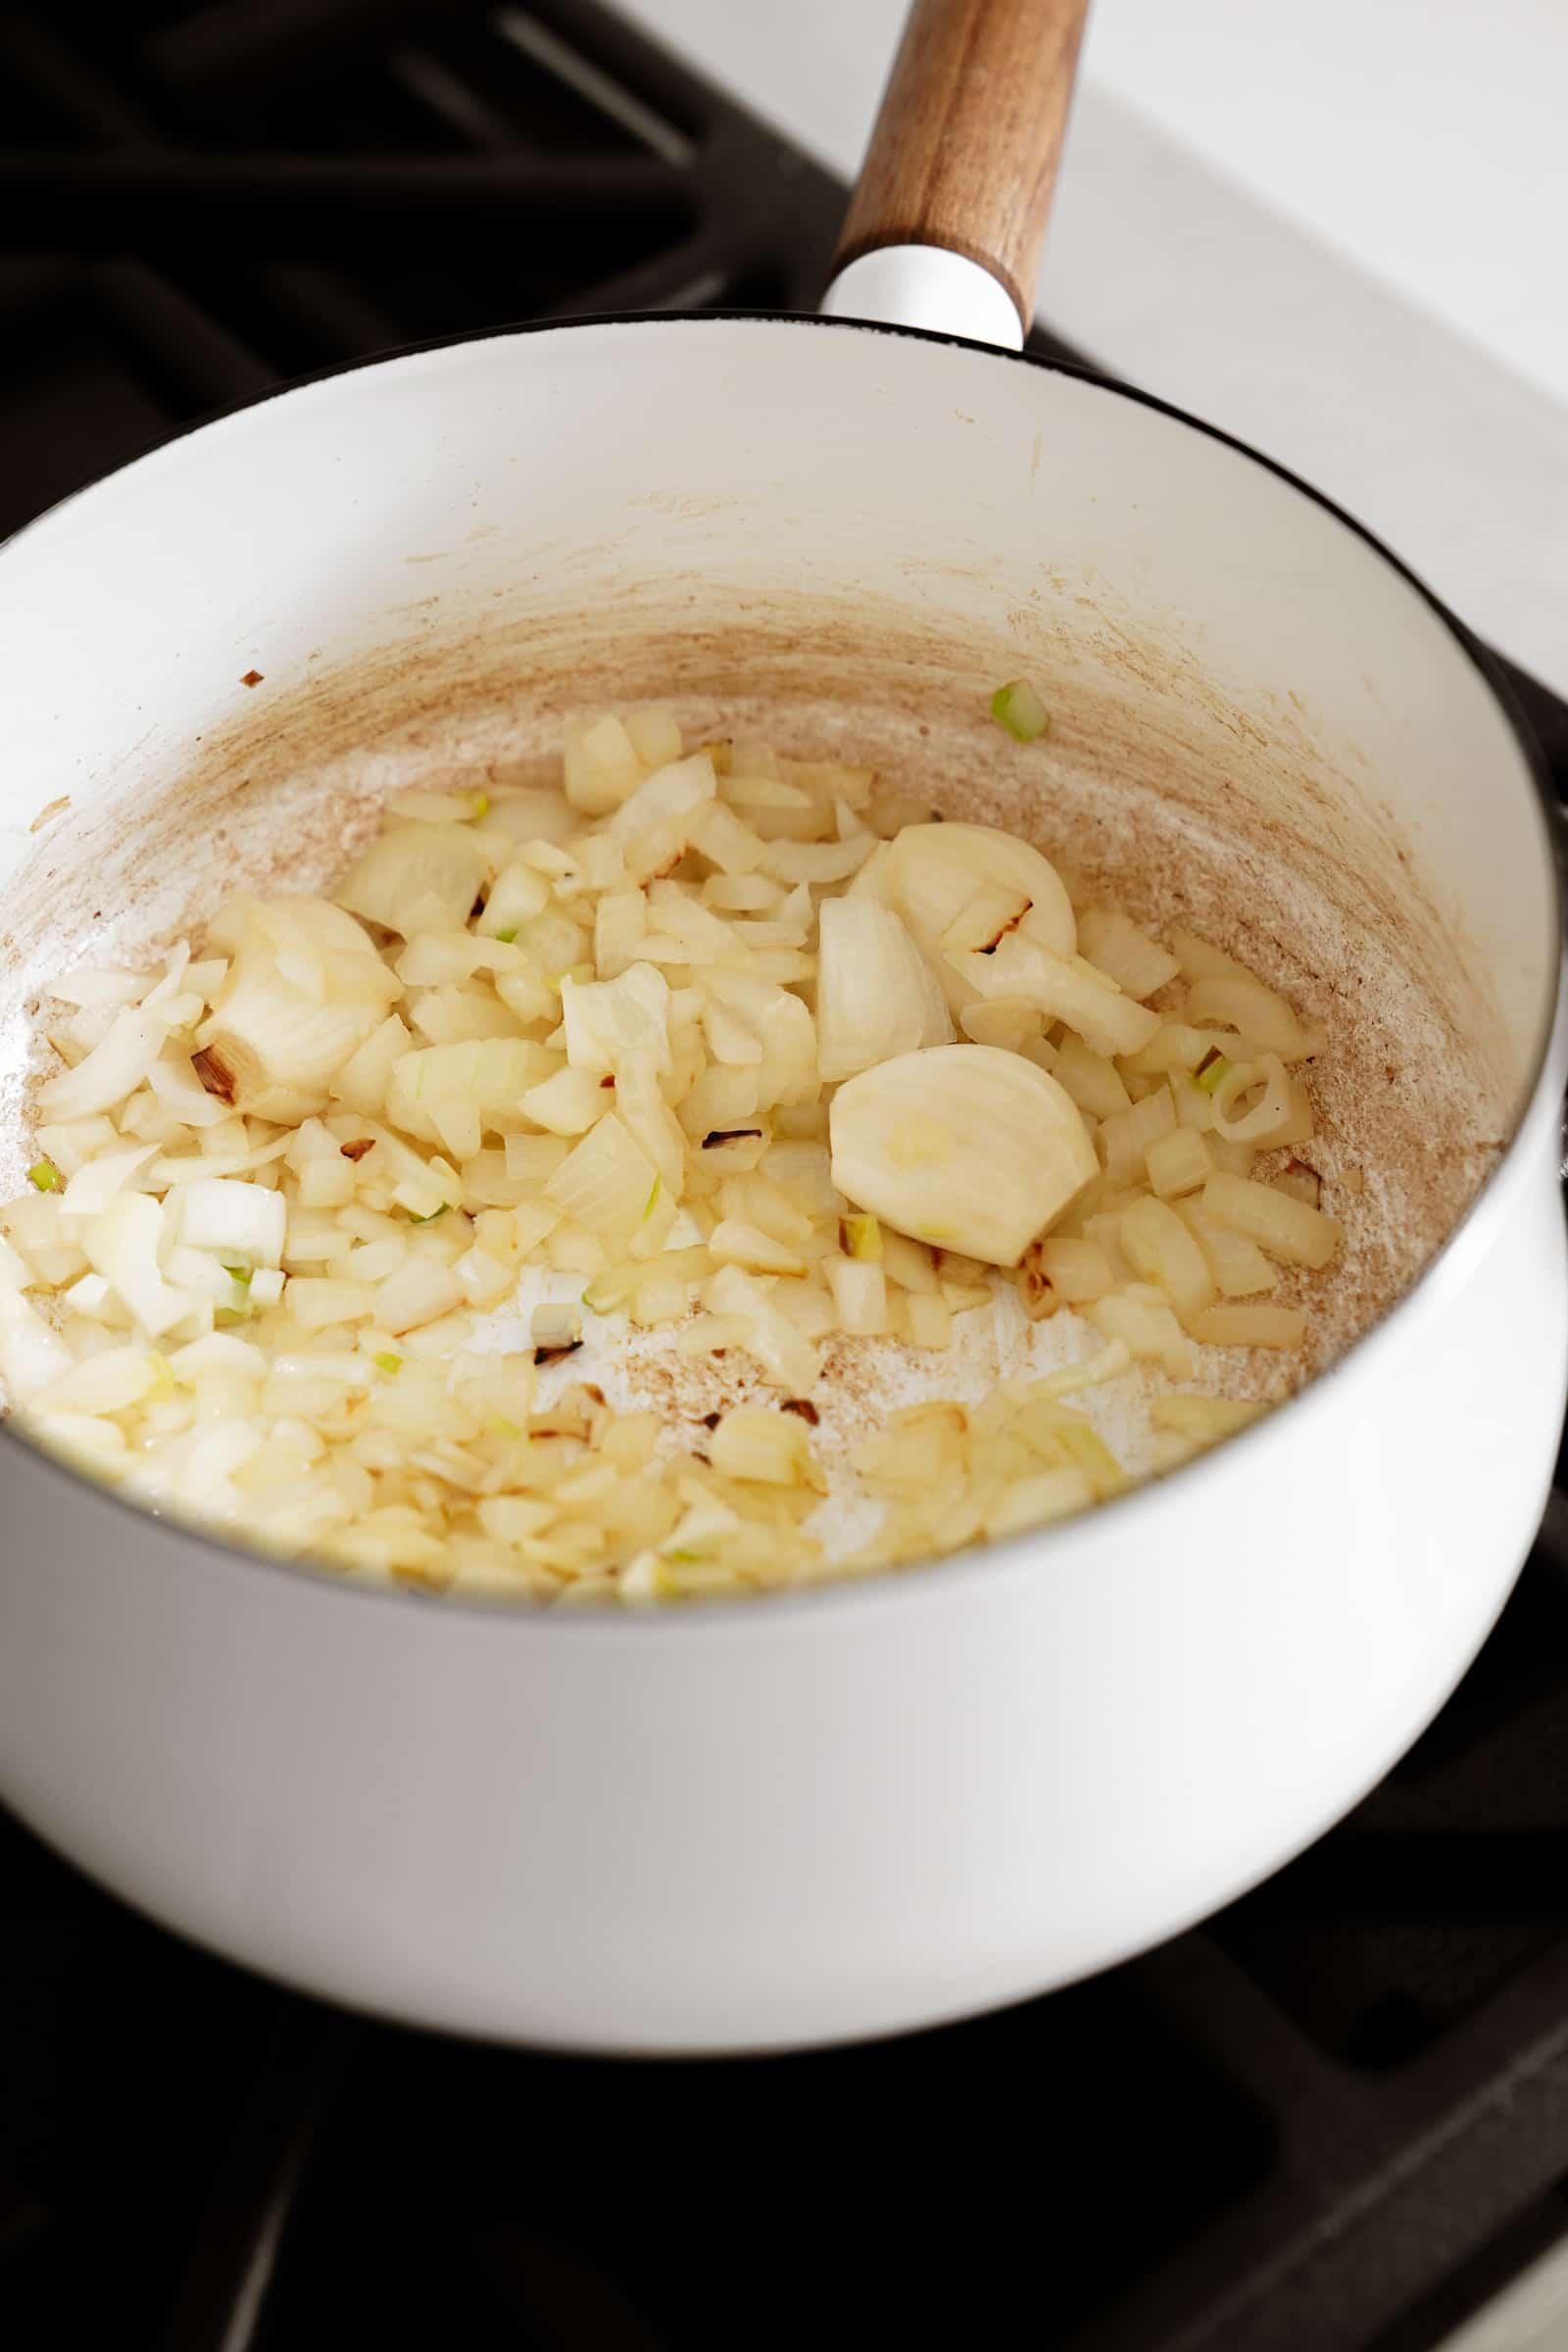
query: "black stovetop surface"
1333, 2120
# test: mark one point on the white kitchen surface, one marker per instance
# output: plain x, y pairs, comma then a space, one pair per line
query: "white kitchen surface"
1531, 2314
1338, 232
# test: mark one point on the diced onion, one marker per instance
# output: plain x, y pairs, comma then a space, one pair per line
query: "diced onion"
876, 995
860, 1293
1238, 1001
754, 1443
110, 1072
1079, 1272
611, 1022
671, 796
233, 1219
1067, 989
1178, 1163
1093, 1082
1238, 1265
1206, 1418
1250, 1326
122, 1243
1160, 1249
416, 877
678, 1039
1286, 1229
1124, 954
31, 1354
601, 766
605, 1183
1126, 1138
97, 1181
1140, 1317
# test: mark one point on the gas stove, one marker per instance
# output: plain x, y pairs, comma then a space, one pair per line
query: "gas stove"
1335, 2119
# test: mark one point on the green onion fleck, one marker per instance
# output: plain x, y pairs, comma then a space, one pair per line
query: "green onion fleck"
506, 937
481, 804
44, 1176
241, 1275
651, 1201
1212, 1071
1020, 710
502, 1428
385, 1361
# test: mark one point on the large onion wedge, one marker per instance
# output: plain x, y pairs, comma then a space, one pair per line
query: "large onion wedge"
966, 1146
876, 995
932, 873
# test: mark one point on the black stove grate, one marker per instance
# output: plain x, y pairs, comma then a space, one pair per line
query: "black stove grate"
1334, 2120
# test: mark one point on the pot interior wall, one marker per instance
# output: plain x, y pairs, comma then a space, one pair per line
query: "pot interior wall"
845, 540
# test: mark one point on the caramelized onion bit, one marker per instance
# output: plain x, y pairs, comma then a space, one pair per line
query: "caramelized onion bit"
1302, 1182
215, 1073
1035, 1286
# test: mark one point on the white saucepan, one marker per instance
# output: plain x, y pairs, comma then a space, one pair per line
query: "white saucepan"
871, 1805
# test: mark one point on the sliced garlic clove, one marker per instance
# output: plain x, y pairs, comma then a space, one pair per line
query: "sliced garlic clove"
966, 1146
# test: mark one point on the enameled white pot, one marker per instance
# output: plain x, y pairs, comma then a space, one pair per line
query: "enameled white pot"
867, 1807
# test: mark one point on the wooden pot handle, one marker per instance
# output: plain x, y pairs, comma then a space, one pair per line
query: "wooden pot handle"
964, 152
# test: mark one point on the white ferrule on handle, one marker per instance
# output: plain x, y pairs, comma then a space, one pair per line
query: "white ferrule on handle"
930, 287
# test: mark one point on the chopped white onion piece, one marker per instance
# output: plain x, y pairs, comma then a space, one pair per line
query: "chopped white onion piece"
670, 795
233, 1220
32, 1354
416, 877
106, 1383
100, 985
611, 1022
124, 1242
601, 766
876, 995
95, 1184
607, 1184
110, 1072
